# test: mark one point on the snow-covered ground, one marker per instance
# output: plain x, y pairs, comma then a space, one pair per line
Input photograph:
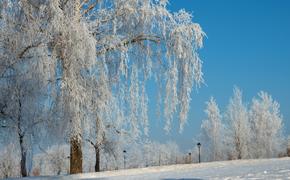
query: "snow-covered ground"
242, 169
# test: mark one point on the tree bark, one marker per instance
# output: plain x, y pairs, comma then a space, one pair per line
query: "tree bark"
288, 151
238, 148
100, 134
23, 157
76, 156
98, 163
23, 169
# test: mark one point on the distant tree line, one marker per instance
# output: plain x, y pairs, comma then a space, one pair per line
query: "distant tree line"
244, 130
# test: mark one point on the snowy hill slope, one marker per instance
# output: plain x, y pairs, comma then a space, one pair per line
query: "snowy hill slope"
240, 169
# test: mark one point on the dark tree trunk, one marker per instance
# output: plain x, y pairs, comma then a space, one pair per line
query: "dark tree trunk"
21, 143
238, 148
76, 156
97, 165
98, 144
288, 151
239, 151
23, 157
239, 155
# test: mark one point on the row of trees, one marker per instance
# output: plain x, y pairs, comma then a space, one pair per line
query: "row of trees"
243, 131
55, 161
76, 71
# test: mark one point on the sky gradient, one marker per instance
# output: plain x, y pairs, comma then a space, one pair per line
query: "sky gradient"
247, 45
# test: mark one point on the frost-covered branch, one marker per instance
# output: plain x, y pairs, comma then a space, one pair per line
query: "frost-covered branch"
89, 8
126, 42
22, 53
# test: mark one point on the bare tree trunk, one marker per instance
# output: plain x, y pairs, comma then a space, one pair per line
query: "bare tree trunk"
98, 163
100, 138
23, 157
238, 148
76, 156
23, 169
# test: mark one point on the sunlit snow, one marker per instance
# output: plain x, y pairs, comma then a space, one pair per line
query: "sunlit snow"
239, 169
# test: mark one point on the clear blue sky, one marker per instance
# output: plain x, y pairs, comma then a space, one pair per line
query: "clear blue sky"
248, 45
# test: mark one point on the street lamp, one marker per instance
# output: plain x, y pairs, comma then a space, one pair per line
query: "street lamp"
198, 145
124, 158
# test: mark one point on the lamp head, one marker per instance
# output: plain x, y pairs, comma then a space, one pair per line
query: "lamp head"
199, 144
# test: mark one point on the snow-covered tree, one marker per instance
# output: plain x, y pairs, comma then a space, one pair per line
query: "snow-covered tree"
127, 41
23, 87
212, 132
20, 114
238, 128
22, 105
266, 127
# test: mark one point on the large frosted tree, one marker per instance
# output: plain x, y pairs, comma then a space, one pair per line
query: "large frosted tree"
266, 126
212, 131
238, 127
97, 54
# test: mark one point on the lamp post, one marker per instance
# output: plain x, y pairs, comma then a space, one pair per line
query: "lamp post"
199, 145
189, 155
124, 158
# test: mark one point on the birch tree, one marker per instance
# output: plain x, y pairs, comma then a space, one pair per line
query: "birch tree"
128, 42
238, 128
212, 132
266, 126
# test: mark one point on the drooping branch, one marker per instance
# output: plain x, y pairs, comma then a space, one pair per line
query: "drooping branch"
126, 42
32, 3
83, 3
21, 54
115, 129
88, 9
42, 149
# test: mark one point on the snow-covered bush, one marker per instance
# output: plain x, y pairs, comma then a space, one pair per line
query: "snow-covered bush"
155, 153
53, 161
9, 162
89, 158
